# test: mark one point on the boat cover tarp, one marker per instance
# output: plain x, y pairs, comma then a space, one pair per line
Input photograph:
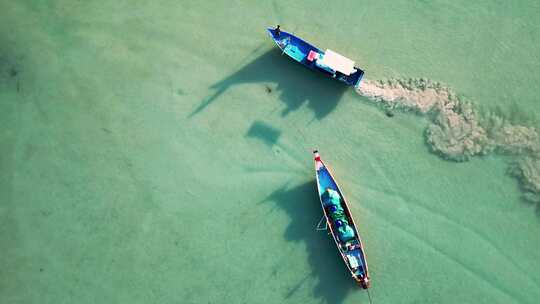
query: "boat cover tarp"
337, 62
330, 197
345, 232
336, 212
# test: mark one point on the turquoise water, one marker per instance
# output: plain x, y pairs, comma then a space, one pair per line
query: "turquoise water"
161, 153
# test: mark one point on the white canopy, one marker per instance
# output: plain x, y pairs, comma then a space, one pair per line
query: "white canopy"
338, 62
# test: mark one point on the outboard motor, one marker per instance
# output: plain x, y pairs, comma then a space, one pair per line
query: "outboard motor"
365, 282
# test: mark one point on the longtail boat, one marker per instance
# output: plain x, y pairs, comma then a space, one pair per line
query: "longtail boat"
340, 222
327, 62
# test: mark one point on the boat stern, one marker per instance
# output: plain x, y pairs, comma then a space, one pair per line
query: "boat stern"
365, 283
361, 75
362, 281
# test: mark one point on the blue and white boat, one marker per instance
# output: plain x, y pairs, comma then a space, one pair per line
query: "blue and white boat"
327, 62
341, 224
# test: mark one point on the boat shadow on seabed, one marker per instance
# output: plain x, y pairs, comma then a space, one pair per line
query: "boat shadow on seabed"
302, 204
295, 84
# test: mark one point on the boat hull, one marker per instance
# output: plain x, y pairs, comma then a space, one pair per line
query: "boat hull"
358, 269
299, 50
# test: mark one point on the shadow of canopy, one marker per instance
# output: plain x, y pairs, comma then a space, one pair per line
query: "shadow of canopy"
263, 132
295, 84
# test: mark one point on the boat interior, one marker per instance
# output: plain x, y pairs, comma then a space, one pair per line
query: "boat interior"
350, 248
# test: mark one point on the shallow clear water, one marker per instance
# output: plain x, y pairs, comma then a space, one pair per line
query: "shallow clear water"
161, 153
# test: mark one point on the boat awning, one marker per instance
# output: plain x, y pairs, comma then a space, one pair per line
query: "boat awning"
338, 62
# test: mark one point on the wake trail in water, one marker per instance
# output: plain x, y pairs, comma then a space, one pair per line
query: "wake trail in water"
457, 131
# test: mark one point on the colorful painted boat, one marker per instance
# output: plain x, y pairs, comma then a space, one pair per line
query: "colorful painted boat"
340, 222
327, 62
